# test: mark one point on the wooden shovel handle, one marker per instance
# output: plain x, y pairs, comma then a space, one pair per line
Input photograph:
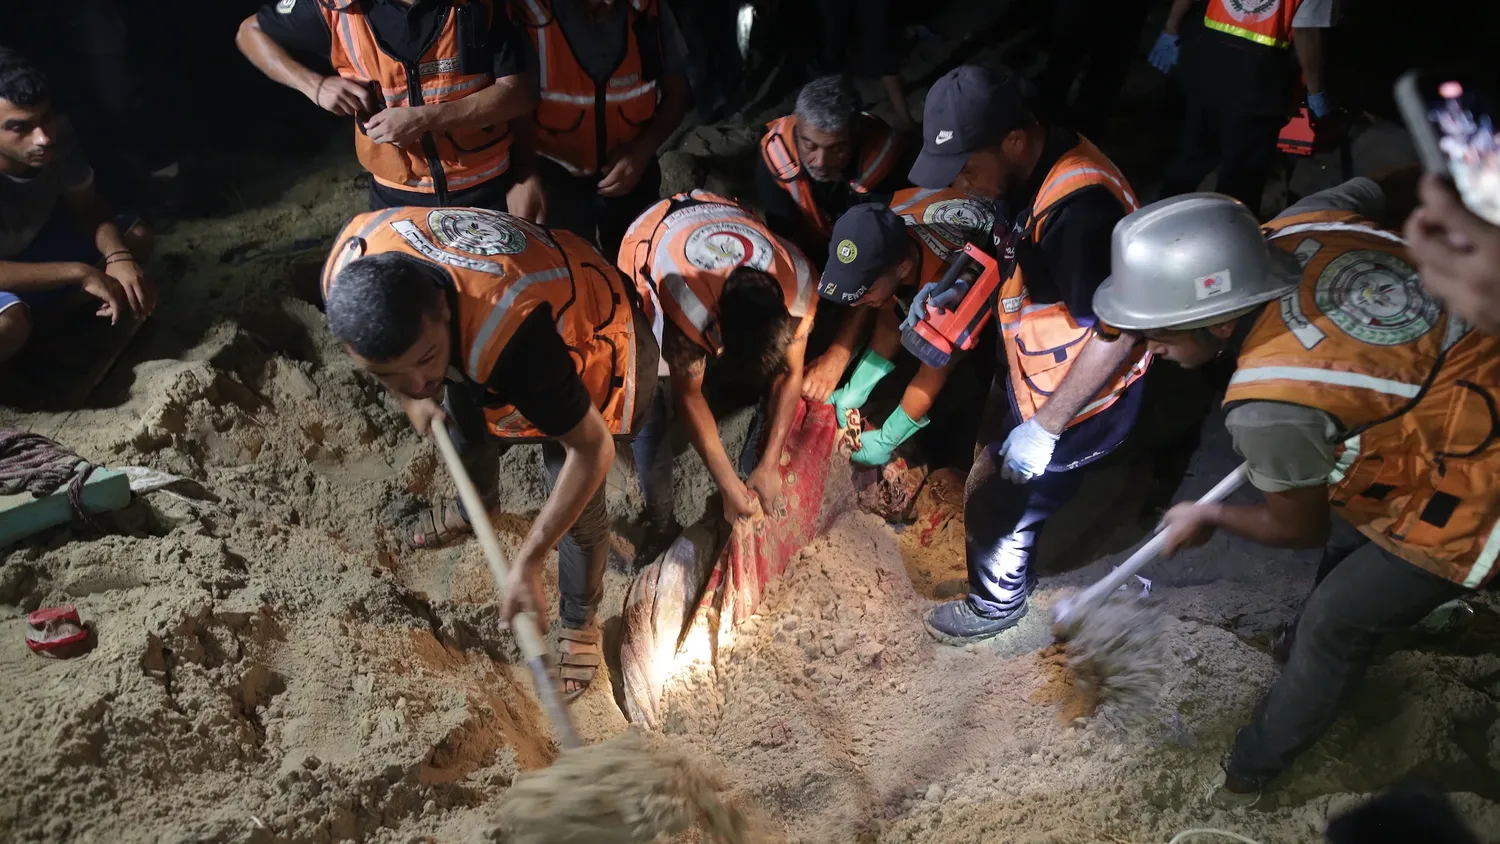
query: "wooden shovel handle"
524, 626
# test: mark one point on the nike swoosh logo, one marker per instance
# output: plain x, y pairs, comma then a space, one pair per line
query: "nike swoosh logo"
943, 137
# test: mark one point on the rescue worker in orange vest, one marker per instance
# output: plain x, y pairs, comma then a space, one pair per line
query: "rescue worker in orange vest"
434, 87
878, 258
725, 289
1238, 78
1352, 387
599, 165
527, 336
823, 159
1072, 393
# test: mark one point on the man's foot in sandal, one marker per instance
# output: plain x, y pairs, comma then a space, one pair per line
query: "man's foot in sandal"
580, 654
436, 526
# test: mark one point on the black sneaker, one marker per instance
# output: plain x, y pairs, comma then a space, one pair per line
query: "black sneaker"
956, 622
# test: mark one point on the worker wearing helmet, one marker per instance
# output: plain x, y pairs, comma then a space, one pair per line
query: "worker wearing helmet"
878, 259
1352, 387
1070, 396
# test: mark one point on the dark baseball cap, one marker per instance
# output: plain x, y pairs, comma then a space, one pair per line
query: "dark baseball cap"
868, 240
970, 108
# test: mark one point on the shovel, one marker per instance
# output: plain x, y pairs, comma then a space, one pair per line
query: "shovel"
524, 625
1116, 648
627, 790
1069, 611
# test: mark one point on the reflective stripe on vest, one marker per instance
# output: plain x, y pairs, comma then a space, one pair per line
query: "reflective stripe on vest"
502, 269
568, 122
658, 254
1418, 468
1267, 22
779, 152
1041, 340
442, 160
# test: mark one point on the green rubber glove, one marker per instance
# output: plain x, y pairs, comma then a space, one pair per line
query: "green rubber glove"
867, 373
876, 446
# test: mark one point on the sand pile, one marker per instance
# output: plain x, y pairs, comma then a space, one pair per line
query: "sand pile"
838, 714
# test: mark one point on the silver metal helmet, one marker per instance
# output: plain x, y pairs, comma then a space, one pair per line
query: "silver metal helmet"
1189, 262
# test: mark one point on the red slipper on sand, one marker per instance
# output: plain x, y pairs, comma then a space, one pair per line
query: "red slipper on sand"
52, 628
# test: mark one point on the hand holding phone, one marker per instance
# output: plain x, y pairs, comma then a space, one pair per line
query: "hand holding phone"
1451, 115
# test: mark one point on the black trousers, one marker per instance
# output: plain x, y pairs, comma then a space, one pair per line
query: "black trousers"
1240, 143
574, 203
1363, 592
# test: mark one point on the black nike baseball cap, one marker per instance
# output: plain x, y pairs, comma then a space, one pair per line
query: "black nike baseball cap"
970, 108
868, 240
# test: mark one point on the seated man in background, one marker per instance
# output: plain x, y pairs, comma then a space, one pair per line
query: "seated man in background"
47, 258
537, 339
599, 164
878, 259
444, 141
821, 160
730, 291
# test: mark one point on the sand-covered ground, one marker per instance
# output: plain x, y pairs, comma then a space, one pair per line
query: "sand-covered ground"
272, 666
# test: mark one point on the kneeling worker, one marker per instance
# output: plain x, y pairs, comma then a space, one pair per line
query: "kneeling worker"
537, 339
878, 259
729, 290
822, 159
1356, 389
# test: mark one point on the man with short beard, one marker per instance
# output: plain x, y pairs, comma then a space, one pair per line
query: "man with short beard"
48, 259
727, 290
1070, 394
823, 159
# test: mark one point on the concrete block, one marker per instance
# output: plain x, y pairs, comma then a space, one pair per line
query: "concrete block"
24, 514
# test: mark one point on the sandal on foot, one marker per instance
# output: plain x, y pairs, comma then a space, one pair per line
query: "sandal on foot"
580, 652
429, 527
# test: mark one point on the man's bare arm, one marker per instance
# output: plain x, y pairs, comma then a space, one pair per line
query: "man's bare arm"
687, 365
786, 394
1308, 43
1098, 360
274, 61
500, 103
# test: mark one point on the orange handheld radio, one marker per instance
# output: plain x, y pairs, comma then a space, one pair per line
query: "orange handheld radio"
938, 334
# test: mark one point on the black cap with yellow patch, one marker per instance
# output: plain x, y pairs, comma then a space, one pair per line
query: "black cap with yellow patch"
868, 240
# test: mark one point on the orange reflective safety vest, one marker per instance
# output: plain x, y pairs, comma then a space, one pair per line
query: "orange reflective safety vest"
879, 152
680, 251
441, 161
1042, 340
1267, 22
944, 220
580, 120
503, 268
1413, 389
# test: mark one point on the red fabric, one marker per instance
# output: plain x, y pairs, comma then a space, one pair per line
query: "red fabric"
760, 548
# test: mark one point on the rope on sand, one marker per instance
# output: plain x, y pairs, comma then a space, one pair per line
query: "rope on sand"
32, 463
1193, 833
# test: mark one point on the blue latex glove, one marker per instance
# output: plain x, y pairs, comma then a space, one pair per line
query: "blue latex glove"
1163, 55
1026, 452
1318, 104
930, 297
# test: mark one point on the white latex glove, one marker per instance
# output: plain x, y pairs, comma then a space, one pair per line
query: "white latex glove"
1026, 452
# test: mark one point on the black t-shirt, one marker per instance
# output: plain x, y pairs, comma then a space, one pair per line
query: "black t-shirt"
1068, 265
536, 374
404, 30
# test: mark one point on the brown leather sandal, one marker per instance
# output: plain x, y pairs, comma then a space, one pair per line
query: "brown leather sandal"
428, 528
579, 654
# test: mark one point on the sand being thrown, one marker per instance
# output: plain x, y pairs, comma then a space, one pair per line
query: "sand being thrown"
628, 790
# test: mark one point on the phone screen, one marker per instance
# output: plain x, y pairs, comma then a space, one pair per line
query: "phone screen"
1464, 117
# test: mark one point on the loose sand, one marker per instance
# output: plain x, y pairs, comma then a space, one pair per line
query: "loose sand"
271, 666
